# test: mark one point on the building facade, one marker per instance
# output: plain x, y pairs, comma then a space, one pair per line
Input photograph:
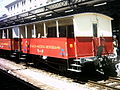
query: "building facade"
21, 6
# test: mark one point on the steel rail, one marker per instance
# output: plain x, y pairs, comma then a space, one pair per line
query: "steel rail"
104, 85
114, 79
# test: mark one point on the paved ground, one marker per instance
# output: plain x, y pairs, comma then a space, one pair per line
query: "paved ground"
40, 78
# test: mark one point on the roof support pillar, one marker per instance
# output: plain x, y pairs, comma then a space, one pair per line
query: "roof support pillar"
25, 31
57, 28
34, 31
7, 33
3, 34
45, 34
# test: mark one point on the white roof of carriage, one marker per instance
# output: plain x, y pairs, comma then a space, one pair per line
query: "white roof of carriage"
93, 13
69, 16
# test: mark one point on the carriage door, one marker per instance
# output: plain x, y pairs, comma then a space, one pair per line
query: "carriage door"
16, 44
16, 41
95, 38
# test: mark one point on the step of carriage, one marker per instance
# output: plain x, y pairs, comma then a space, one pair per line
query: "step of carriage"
14, 53
12, 56
80, 60
77, 60
76, 65
74, 70
22, 58
23, 55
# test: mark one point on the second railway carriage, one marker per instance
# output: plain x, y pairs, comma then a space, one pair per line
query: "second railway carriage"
70, 43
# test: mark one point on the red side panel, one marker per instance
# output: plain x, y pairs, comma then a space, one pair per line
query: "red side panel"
16, 44
88, 46
66, 47
84, 47
103, 41
96, 43
71, 47
5, 44
10, 44
53, 47
108, 45
25, 45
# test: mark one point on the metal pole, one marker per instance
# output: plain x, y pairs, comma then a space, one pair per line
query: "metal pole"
45, 34
34, 28
25, 31
3, 34
19, 32
7, 33
57, 28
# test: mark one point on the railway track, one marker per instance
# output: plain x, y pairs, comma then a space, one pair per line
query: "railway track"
39, 78
113, 83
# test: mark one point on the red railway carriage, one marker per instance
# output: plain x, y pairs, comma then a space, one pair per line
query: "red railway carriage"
73, 39
71, 46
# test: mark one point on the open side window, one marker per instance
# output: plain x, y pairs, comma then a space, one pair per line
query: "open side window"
95, 34
52, 32
66, 31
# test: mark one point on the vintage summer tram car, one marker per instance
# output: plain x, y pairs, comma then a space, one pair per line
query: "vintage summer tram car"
69, 42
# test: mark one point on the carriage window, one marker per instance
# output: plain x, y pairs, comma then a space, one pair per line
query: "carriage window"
70, 31
52, 32
10, 33
66, 31
95, 30
32, 32
62, 31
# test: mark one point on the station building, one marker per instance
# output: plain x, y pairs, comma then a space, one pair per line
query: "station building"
21, 6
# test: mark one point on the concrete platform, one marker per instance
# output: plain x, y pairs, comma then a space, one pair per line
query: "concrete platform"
40, 78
